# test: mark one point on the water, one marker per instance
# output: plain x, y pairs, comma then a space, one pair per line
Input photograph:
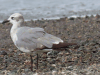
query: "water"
48, 9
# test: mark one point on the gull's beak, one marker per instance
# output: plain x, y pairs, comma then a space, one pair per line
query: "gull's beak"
5, 21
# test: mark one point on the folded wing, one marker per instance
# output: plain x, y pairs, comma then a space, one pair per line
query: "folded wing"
32, 38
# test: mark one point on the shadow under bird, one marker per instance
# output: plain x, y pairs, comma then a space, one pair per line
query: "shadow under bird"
33, 40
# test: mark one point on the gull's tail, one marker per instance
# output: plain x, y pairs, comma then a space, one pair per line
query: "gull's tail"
59, 46
62, 45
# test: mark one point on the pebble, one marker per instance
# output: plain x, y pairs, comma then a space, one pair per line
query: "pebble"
3, 53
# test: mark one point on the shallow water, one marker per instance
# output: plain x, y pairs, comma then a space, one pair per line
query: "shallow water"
51, 9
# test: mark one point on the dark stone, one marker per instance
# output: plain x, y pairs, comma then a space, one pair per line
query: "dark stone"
3, 53
72, 18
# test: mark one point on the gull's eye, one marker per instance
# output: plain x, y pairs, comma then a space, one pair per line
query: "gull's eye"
12, 18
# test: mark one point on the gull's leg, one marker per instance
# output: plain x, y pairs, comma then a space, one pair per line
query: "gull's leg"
37, 61
31, 63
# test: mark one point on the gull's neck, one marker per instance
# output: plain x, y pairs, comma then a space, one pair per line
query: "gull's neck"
15, 26
14, 30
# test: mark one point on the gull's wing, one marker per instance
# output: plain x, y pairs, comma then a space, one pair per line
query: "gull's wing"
48, 40
32, 38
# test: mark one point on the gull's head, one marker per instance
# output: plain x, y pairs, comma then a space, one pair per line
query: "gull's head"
15, 18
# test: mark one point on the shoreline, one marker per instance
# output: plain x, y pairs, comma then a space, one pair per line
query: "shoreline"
57, 18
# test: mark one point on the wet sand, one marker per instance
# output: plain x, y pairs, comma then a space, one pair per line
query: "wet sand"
84, 59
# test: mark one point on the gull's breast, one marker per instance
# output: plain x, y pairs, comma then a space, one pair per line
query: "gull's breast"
14, 37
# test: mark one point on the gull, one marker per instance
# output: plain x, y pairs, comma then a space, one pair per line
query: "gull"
33, 40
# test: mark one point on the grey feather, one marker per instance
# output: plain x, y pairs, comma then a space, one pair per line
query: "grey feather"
32, 38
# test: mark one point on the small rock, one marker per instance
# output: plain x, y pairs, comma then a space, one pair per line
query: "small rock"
72, 18
3, 53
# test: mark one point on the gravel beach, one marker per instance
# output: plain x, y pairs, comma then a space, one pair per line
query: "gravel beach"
82, 60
